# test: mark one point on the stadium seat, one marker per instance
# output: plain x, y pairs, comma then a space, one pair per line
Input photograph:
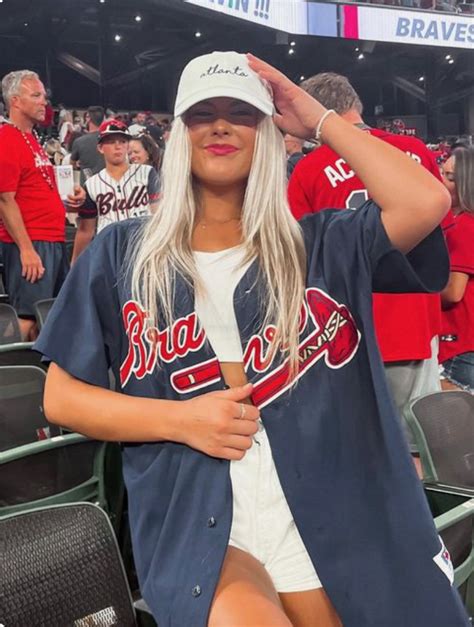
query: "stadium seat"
442, 424
9, 325
61, 566
22, 419
454, 519
20, 354
3, 293
42, 309
63, 469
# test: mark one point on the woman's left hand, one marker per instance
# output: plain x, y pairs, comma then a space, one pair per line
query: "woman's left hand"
298, 112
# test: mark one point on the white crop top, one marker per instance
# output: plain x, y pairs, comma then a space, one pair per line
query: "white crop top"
220, 273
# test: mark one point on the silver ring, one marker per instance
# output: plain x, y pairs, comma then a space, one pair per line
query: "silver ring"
243, 411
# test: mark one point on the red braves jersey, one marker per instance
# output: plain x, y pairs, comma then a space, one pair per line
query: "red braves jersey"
404, 323
458, 320
41, 207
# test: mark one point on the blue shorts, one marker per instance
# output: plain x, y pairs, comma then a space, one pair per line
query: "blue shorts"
460, 371
21, 293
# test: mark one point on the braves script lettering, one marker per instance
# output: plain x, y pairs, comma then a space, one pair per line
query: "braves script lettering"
258, 350
108, 202
147, 344
334, 337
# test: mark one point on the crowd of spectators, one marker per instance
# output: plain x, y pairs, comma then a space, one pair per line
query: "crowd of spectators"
72, 133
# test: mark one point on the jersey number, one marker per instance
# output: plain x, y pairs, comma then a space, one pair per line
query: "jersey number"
357, 198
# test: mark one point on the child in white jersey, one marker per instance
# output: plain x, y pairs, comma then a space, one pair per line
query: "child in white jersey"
118, 192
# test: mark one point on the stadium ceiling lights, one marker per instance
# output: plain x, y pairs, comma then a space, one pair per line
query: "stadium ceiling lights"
197, 34
118, 37
361, 56
138, 18
291, 51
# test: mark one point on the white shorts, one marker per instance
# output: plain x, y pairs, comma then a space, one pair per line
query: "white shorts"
262, 524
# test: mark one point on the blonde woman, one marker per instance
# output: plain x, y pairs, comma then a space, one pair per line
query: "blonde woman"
268, 479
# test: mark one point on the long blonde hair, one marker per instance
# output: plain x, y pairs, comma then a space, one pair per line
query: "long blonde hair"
163, 249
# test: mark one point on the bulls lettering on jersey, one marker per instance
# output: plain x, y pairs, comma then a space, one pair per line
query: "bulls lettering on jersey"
405, 323
109, 200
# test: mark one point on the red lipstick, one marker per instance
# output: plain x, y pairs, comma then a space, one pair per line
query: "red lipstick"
221, 149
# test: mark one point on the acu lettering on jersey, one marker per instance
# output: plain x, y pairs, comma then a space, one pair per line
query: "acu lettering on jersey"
107, 202
340, 171
332, 335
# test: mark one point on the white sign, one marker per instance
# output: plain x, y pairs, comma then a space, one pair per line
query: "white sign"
289, 16
413, 27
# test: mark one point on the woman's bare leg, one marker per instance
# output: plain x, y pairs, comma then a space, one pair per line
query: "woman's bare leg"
245, 595
310, 609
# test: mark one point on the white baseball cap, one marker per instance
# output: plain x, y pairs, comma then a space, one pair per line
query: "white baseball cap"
222, 74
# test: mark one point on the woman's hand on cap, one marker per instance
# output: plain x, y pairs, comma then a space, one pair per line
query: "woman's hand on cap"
298, 112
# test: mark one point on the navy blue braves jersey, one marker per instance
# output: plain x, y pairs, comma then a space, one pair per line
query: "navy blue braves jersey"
336, 440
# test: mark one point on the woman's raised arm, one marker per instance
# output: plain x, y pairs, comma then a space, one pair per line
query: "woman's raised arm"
413, 202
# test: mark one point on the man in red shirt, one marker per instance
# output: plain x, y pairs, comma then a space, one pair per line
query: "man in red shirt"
407, 325
32, 215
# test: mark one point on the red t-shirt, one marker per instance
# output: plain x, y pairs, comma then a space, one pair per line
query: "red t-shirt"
405, 323
458, 320
41, 207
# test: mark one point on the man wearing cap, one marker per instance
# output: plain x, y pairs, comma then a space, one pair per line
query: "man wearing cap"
119, 191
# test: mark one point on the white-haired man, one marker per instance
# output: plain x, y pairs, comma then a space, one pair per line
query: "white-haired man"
32, 216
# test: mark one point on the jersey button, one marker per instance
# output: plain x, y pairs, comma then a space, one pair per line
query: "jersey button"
196, 591
211, 522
